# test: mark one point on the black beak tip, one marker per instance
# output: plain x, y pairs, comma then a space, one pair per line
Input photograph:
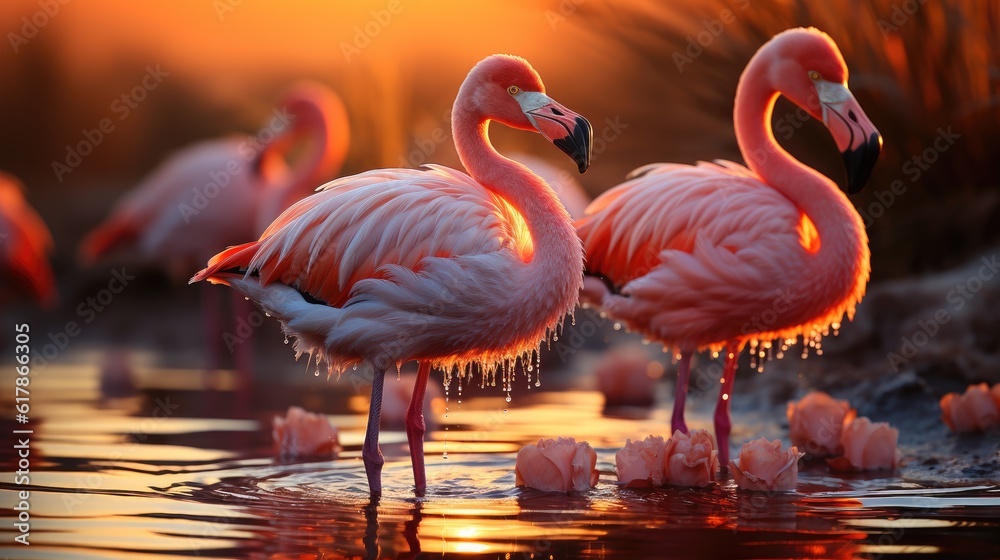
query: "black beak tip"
577, 144
860, 162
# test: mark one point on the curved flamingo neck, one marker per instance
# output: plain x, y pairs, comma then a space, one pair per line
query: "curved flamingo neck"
326, 132
842, 261
546, 217
557, 261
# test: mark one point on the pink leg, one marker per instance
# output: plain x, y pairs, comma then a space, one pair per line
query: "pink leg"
723, 420
680, 393
416, 427
370, 452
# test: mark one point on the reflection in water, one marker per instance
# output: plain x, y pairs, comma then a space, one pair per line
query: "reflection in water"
118, 479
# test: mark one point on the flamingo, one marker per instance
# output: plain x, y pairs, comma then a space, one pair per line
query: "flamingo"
222, 192
24, 243
716, 255
431, 265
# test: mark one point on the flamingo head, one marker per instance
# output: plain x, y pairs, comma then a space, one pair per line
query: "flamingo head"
507, 89
809, 69
309, 113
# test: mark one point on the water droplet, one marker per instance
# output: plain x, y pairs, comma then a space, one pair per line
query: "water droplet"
538, 383
286, 340
246, 299
618, 326
508, 398
505, 411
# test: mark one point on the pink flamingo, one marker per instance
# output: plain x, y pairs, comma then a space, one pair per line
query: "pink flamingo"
715, 256
222, 192
24, 243
431, 265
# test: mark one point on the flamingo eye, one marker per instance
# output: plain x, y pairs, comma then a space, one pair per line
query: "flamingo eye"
513, 90
814, 75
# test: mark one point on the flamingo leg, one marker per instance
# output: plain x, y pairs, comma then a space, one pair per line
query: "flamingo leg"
723, 419
416, 427
680, 393
370, 452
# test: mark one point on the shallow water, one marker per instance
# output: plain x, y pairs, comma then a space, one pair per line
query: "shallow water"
172, 472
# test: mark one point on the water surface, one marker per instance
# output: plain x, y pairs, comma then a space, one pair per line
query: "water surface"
167, 471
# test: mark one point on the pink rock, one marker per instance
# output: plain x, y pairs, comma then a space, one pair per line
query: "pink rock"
867, 446
640, 463
763, 465
304, 434
690, 460
978, 409
627, 376
557, 465
815, 423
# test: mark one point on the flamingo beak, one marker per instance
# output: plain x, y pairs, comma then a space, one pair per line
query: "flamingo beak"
856, 137
568, 131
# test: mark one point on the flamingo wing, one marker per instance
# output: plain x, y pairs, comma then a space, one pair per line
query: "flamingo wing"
696, 249
357, 226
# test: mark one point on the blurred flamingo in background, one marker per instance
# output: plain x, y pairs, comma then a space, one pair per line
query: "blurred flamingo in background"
223, 192
432, 264
24, 244
717, 255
